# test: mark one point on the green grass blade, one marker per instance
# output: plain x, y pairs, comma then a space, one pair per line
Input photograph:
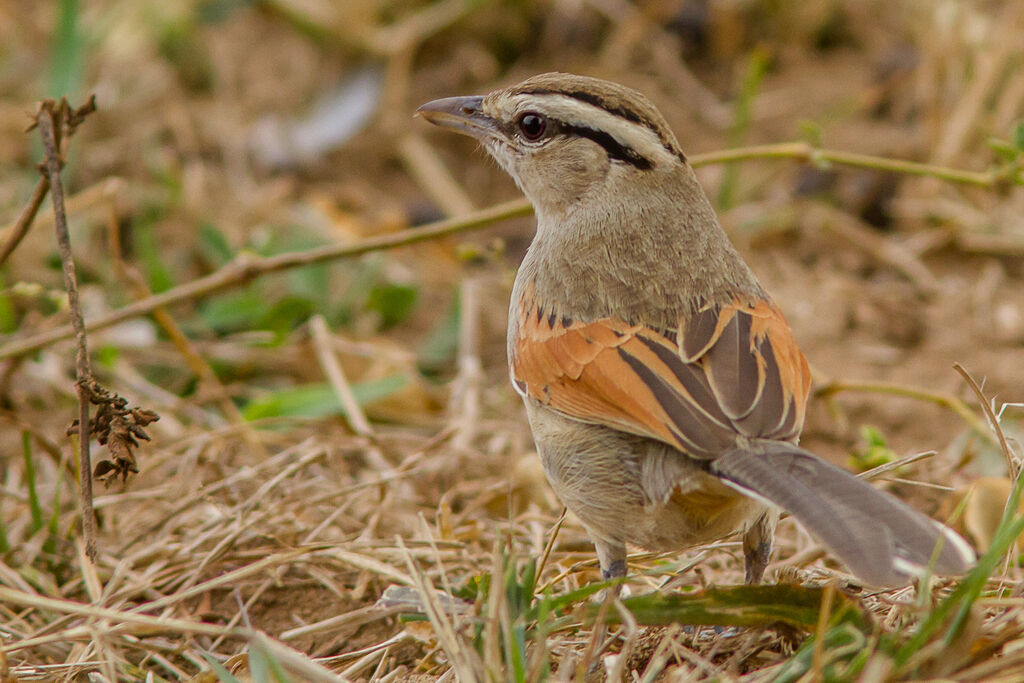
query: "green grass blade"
742, 606
223, 675
319, 399
67, 57
264, 666
756, 69
841, 641
30, 481
53, 525
959, 603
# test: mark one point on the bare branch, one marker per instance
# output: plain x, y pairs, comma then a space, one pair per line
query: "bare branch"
83, 372
246, 268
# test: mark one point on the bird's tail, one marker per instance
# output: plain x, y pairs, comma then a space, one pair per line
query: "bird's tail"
880, 539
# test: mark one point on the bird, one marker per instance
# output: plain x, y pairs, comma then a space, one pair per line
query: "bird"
663, 386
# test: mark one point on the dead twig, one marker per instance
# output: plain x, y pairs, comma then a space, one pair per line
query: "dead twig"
28, 214
72, 119
246, 268
116, 425
47, 121
336, 375
1012, 467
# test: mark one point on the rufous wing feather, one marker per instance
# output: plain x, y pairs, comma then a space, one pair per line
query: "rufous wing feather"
727, 370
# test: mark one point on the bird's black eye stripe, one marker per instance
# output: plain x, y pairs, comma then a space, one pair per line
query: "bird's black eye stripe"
620, 109
534, 127
615, 149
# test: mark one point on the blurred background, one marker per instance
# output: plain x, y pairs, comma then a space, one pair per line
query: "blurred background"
229, 128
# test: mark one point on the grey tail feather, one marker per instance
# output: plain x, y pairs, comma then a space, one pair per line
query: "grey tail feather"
881, 540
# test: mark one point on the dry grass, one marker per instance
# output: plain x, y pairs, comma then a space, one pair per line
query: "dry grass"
341, 485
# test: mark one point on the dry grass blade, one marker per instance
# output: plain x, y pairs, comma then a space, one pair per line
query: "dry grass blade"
457, 652
294, 661
121, 622
1012, 464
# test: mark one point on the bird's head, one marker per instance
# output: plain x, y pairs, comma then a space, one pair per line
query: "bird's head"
565, 138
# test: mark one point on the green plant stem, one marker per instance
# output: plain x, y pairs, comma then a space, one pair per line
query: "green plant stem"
756, 69
30, 480
949, 402
245, 269
803, 151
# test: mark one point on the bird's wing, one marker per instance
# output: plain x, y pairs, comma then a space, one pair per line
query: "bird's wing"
726, 370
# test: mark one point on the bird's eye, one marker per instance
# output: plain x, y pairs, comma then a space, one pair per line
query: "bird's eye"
532, 125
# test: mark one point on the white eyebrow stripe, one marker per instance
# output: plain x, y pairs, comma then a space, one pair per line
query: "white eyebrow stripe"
573, 112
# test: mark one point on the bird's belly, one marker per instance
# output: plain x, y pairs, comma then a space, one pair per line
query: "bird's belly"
628, 489
700, 515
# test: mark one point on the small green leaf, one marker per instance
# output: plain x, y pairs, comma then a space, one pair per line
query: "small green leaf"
285, 315
362, 278
214, 246
107, 355
439, 349
875, 452
8, 313
68, 52
811, 132
744, 606
319, 400
1004, 149
234, 311
182, 47
216, 11
158, 274
392, 302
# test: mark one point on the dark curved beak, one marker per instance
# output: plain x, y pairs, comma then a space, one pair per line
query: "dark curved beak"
462, 114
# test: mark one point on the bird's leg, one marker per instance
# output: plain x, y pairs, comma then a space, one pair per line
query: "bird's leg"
612, 558
757, 546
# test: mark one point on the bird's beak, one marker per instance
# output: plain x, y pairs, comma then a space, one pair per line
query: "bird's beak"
462, 114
